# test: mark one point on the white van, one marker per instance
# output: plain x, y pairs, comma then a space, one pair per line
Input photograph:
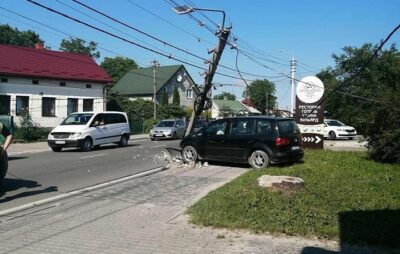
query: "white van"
89, 129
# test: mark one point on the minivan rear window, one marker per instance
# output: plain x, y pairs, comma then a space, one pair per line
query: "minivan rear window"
287, 128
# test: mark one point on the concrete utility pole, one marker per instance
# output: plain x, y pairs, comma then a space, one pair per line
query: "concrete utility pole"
292, 73
155, 65
202, 98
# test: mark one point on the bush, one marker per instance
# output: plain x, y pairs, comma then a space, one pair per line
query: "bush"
31, 133
385, 147
148, 124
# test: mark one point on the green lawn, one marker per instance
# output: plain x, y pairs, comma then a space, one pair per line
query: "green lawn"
346, 197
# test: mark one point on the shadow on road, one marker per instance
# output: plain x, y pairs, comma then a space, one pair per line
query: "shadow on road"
103, 147
15, 184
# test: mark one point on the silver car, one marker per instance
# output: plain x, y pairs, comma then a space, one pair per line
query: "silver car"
168, 129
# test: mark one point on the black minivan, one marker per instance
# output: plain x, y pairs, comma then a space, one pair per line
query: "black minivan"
257, 140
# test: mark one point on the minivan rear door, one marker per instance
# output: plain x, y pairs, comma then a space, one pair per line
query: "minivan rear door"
287, 128
240, 138
215, 146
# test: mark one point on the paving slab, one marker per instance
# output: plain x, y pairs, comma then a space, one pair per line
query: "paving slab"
144, 215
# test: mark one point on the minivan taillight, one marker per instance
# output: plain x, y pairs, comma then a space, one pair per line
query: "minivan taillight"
282, 141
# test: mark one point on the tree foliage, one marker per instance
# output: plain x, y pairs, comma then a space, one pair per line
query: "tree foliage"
176, 100
80, 46
229, 96
261, 90
379, 120
116, 67
13, 36
164, 98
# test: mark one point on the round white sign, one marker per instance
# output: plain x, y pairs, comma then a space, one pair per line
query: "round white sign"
310, 89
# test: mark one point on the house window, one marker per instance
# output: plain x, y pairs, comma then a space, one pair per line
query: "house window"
4, 80
72, 106
88, 86
87, 104
22, 103
189, 93
62, 83
5, 104
48, 106
35, 82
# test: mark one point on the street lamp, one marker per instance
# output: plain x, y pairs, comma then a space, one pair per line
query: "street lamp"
184, 9
223, 35
292, 73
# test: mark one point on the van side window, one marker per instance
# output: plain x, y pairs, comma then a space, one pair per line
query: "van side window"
216, 128
98, 120
264, 127
242, 127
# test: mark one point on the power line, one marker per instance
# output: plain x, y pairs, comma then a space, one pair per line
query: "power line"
198, 39
360, 70
124, 39
155, 38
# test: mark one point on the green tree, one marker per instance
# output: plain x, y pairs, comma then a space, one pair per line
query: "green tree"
176, 100
79, 46
13, 36
228, 95
164, 98
117, 67
379, 120
260, 91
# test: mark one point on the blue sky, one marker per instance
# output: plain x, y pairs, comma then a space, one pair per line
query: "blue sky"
310, 30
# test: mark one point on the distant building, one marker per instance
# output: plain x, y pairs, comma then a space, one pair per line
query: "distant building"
138, 83
49, 84
227, 108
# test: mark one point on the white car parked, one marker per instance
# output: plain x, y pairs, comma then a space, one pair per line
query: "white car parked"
334, 129
88, 129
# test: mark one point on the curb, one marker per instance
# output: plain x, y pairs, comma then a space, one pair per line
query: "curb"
80, 191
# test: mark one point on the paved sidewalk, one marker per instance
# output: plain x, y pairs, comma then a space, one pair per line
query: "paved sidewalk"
34, 147
144, 215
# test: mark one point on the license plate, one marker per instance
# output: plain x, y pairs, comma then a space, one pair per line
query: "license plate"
60, 142
157, 135
295, 147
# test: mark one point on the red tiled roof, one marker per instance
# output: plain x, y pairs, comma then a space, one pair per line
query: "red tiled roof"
248, 102
43, 63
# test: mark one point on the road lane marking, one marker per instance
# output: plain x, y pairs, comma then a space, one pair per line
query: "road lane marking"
29, 151
92, 156
80, 191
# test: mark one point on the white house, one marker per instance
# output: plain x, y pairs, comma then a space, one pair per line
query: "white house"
49, 84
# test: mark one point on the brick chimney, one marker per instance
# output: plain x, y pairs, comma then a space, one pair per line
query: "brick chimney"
39, 45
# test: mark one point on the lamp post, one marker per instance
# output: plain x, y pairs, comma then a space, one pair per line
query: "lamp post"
293, 64
202, 101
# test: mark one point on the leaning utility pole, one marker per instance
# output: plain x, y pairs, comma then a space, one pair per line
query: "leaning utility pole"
155, 65
202, 101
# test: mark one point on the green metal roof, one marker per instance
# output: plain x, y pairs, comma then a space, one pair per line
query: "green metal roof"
140, 81
235, 106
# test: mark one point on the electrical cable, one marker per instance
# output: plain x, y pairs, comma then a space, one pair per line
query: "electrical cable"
124, 39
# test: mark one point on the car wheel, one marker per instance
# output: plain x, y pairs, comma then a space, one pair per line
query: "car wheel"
174, 135
332, 135
189, 154
259, 159
56, 148
87, 144
124, 141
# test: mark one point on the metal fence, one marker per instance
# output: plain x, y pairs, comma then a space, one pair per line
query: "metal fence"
136, 125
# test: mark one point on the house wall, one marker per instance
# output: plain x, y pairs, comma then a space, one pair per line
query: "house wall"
17, 86
182, 86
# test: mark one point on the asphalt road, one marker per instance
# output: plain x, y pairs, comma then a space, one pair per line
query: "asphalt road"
35, 176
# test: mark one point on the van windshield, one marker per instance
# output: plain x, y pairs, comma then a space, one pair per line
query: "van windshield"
288, 128
77, 119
